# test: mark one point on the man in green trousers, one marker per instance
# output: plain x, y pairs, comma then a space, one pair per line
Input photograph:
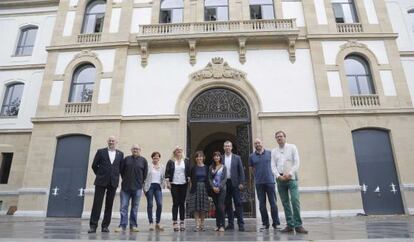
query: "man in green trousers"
285, 164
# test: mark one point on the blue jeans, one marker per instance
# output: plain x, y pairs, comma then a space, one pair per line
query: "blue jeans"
269, 190
135, 197
154, 191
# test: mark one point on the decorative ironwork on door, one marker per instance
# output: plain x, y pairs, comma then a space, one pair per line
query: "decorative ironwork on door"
218, 104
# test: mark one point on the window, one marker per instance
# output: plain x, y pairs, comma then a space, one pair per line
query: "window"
11, 100
6, 160
261, 9
359, 76
82, 84
344, 11
26, 42
94, 17
411, 18
171, 11
216, 10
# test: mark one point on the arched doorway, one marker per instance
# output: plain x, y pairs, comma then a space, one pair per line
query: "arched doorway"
217, 115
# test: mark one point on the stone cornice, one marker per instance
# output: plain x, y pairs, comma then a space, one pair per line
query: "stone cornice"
27, 3
342, 36
22, 67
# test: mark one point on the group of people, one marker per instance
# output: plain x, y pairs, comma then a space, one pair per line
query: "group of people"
222, 181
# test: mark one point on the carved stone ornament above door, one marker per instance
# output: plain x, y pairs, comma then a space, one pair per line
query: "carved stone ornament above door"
218, 69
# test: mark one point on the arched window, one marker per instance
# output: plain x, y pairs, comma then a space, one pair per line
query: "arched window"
171, 11
411, 18
94, 17
344, 11
82, 84
359, 75
26, 41
216, 10
12, 99
261, 9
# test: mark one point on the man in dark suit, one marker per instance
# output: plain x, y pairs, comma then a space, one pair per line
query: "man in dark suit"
106, 168
234, 184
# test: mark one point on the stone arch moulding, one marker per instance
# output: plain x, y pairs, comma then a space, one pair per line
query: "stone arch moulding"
355, 47
218, 74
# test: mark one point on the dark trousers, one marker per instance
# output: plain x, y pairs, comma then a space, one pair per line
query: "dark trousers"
97, 205
233, 193
154, 192
219, 200
178, 193
268, 190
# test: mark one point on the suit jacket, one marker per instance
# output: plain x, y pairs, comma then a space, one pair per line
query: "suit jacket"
106, 173
236, 170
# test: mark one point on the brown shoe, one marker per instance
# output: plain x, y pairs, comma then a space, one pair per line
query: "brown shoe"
158, 227
287, 229
301, 230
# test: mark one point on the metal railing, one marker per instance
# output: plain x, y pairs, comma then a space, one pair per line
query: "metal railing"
365, 100
89, 38
349, 28
77, 108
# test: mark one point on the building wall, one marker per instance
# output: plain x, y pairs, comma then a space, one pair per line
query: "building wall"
293, 82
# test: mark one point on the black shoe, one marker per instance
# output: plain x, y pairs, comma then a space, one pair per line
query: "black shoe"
105, 230
241, 228
264, 228
92, 230
275, 226
229, 227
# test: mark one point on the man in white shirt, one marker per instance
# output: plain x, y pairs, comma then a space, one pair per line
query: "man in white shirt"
285, 164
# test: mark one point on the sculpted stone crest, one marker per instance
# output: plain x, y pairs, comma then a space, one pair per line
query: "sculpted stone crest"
86, 53
218, 69
353, 44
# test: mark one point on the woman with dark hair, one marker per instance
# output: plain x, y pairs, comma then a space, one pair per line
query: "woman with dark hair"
153, 189
217, 178
198, 203
177, 173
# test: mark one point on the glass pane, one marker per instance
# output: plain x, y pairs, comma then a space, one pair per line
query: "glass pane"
99, 23
76, 93
260, 2
365, 85
86, 95
165, 16
349, 14
411, 18
255, 12
31, 37
222, 14
215, 3
86, 74
12, 100
89, 24
27, 50
177, 16
267, 12
338, 12
353, 87
172, 4
210, 14
96, 7
354, 67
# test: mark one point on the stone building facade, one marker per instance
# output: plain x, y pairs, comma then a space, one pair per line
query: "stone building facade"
334, 74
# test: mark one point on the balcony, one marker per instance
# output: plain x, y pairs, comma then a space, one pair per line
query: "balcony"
365, 100
349, 28
193, 33
77, 108
89, 38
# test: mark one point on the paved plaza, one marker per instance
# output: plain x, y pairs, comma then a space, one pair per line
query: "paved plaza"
373, 228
